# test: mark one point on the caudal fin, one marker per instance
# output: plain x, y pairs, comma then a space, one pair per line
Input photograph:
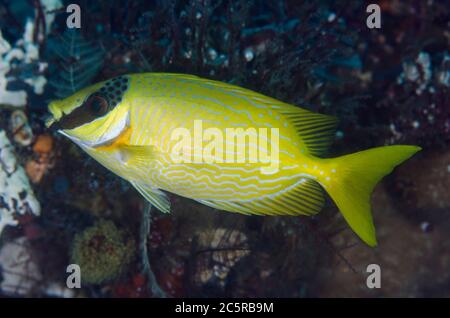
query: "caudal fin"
352, 179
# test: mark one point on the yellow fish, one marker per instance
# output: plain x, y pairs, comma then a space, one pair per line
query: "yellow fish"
222, 145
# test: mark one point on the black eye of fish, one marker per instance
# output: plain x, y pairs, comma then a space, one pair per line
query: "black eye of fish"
94, 107
97, 105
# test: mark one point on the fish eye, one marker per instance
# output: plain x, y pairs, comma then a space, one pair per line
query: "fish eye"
97, 105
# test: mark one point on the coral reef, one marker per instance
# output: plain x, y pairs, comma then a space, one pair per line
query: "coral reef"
16, 195
102, 252
20, 66
20, 128
226, 249
22, 274
20, 271
43, 160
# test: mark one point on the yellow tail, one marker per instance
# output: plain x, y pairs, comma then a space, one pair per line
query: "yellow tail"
352, 179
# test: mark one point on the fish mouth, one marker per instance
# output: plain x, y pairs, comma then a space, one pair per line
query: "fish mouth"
53, 114
49, 119
51, 123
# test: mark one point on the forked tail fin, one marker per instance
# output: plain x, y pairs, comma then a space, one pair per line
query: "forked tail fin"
352, 179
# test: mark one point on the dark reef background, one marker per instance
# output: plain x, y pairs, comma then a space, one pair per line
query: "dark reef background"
387, 86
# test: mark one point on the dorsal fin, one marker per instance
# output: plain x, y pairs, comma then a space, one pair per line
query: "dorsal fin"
304, 198
316, 130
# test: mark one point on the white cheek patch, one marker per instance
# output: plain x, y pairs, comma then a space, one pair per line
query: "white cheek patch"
115, 131
109, 136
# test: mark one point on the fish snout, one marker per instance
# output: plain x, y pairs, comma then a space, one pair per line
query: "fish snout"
50, 122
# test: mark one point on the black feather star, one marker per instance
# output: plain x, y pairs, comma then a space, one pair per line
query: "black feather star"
77, 61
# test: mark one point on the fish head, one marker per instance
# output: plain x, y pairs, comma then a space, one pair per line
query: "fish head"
95, 115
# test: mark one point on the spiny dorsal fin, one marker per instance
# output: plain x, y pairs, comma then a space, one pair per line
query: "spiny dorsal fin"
156, 197
173, 75
304, 198
316, 130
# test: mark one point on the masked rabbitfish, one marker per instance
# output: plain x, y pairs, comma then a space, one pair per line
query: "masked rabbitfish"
145, 127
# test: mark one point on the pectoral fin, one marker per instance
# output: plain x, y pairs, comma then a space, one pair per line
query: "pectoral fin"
156, 197
138, 154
